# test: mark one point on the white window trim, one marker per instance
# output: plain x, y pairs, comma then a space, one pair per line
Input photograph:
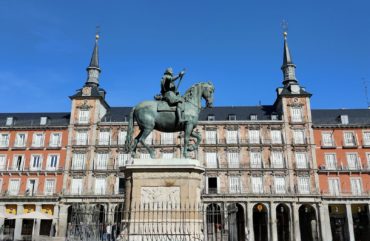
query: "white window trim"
59, 144
53, 191
339, 186
16, 144
41, 144
48, 167
31, 162
6, 143
19, 185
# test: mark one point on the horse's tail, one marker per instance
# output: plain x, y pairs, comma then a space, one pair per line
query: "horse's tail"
130, 131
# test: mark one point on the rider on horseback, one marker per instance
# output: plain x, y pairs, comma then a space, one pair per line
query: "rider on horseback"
169, 91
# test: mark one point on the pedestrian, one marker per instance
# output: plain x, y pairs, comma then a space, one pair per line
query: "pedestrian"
109, 231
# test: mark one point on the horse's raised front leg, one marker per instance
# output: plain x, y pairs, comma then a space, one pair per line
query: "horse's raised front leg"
187, 132
198, 136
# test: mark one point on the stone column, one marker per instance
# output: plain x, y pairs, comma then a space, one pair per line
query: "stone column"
350, 222
250, 221
297, 231
2, 210
325, 223
18, 224
36, 223
62, 223
55, 221
273, 221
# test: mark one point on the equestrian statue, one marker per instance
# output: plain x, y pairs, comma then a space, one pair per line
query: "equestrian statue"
170, 112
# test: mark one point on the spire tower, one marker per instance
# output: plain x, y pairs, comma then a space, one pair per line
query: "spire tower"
93, 70
288, 66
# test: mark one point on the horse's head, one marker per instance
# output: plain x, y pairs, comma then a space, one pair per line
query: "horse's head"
207, 93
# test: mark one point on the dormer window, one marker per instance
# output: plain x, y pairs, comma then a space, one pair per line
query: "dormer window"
274, 117
232, 117
344, 119
9, 121
211, 118
253, 117
43, 120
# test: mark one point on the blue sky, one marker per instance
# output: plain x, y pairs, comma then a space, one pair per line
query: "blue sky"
46, 45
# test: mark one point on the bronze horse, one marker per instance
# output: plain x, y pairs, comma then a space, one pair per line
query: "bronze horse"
148, 119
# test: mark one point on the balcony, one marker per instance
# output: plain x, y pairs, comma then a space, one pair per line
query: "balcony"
27, 194
302, 142
328, 145
365, 144
350, 145
344, 169
264, 192
30, 169
345, 194
53, 146
80, 143
90, 193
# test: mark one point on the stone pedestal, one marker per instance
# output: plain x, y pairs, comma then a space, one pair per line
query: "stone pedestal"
163, 197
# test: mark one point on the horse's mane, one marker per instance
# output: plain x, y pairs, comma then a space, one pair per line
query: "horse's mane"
190, 91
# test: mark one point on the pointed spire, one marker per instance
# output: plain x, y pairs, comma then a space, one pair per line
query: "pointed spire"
93, 69
288, 66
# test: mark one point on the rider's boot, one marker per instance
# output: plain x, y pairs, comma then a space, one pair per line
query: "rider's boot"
179, 117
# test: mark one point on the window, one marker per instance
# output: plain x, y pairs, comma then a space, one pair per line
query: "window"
55, 139
233, 159
274, 117
104, 137
353, 161
277, 159
49, 187
31, 188
122, 159
211, 136
52, 163
368, 160
36, 161
43, 120
81, 138
211, 118
101, 161
212, 185
78, 161
122, 137
235, 184
18, 162
257, 184
149, 139
276, 137
279, 184
2, 162
120, 185
344, 119
9, 121
83, 116
145, 156
330, 161
20, 140
166, 138
232, 117
299, 137
334, 186
211, 159
296, 113
349, 139
253, 117
256, 159
167, 155
356, 186
254, 136
38, 140
301, 160
327, 139
13, 188
232, 136
304, 185
100, 186
76, 186
366, 138
4, 140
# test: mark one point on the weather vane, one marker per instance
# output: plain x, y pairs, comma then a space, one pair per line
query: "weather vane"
284, 27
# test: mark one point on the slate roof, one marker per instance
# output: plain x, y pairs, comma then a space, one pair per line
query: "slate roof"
331, 117
33, 119
95, 92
